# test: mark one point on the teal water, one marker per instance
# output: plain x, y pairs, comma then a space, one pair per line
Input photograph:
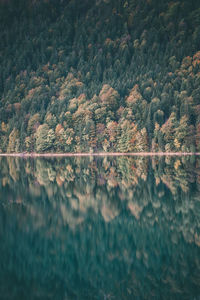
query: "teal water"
100, 228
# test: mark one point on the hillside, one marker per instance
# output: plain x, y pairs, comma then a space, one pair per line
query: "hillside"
99, 75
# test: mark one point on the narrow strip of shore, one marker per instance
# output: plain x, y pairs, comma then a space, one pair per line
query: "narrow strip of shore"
99, 154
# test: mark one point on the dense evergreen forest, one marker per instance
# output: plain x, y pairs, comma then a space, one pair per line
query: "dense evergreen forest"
99, 75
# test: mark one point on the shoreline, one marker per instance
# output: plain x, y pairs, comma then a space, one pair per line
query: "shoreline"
99, 154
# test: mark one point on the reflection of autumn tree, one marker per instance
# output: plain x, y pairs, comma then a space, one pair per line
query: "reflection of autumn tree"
175, 173
89, 183
14, 168
116, 201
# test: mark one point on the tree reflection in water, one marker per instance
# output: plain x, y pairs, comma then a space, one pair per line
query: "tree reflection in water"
100, 228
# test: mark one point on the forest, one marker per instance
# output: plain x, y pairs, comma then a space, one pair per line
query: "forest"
99, 76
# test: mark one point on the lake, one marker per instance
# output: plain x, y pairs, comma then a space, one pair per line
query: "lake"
100, 228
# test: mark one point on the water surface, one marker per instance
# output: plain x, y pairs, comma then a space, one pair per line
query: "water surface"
100, 228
